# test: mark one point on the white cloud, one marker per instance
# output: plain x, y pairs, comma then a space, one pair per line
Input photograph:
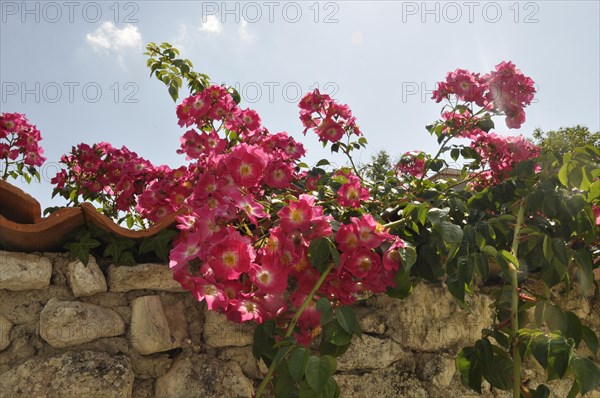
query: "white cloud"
212, 25
110, 38
245, 35
182, 38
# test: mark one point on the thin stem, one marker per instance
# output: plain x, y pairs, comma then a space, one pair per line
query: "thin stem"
514, 307
437, 155
347, 153
5, 174
393, 223
290, 329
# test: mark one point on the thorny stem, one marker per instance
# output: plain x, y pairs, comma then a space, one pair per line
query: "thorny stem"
290, 329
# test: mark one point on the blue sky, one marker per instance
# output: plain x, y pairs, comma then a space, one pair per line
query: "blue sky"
76, 69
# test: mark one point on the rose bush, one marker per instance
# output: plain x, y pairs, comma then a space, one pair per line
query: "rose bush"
265, 238
20, 151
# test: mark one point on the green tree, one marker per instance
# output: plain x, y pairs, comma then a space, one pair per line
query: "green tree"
555, 143
380, 165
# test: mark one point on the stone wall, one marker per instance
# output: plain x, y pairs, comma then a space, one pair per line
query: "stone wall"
67, 330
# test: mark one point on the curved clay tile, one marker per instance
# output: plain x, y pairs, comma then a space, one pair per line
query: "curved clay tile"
18, 206
23, 229
101, 221
49, 234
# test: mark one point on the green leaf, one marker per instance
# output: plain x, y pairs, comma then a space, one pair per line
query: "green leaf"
331, 389
574, 390
486, 124
451, 233
498, 372
469, 367
297, 363
282, 352
542, 391
335, 334
159, 244
586, 373
539, 349
335, 254
129, 220
465, 268
173, 91
319, 370
409, 257
590, 338
456, 287
583, 260
284, 386
307, 392
455, 153
324, 307
560, 260
555, 318
322, 162
436, 216
559, 351
403, 286
127, 258
264, 340
481, 264
81, 248
547, 248
347, 320
327, 348
319, 253
509, 258
574, 328
116, 247
563, 174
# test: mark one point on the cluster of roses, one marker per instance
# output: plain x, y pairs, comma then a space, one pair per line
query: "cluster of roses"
251, 277
329, 119
101, 169
500, 154
216, 104
510, 91
19, 140
412, 163
244, 251
504, 91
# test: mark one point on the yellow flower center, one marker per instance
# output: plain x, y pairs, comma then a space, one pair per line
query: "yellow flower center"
245, 169
296, 216
229, 259
364, 264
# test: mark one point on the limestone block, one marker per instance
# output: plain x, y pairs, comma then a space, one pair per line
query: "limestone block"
149, 328
20, 271
85, 280
71, 375
69, 323
201, 376
140, 277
